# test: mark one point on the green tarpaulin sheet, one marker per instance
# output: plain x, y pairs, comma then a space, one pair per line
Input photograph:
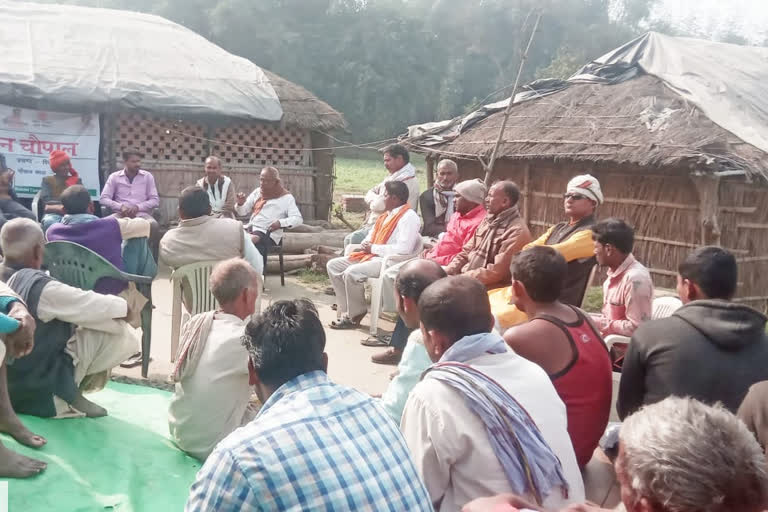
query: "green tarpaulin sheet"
124, 462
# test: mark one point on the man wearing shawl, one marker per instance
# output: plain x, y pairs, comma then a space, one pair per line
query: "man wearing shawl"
395, 233
484, 420
220, 189
10, 208
211, 373
572, 239
500, 236
271, 207
397, 161
436, 203
51, 188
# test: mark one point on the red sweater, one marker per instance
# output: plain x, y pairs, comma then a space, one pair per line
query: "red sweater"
458, 233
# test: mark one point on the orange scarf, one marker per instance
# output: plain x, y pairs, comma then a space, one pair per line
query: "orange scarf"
259, 204
385, 226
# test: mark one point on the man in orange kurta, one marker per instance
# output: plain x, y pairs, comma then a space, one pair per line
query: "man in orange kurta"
395, 233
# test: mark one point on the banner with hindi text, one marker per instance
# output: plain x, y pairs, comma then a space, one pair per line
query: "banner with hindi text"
28, 136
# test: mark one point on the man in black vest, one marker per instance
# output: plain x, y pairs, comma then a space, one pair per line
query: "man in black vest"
80, 335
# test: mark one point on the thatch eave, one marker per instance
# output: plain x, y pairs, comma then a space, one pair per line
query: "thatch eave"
640, 122
303, 109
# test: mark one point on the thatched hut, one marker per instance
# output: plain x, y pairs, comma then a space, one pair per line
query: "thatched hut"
681, 179
168, 91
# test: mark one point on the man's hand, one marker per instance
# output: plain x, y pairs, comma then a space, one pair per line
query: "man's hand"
366, 247
240, 199
21, 342
275, 226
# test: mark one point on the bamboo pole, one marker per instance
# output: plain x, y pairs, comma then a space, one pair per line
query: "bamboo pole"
492, 162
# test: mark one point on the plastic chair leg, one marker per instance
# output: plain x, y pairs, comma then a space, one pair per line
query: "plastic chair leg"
376, 285
175, 319
282, 267
146, 337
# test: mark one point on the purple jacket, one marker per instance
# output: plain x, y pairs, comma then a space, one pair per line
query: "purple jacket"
103, 237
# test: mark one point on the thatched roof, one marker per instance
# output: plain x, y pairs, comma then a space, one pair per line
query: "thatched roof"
73, 58
639, 121
304, 109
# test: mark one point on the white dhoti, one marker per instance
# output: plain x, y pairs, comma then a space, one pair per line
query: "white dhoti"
94, 354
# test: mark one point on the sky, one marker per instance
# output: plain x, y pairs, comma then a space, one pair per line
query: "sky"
747, 17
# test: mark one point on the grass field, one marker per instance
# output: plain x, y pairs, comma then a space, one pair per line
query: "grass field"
358, 175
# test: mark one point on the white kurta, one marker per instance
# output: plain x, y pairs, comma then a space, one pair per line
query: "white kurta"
102, 339
450, 445
282, 209
212, 401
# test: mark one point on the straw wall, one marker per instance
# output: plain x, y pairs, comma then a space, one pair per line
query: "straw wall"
662, 205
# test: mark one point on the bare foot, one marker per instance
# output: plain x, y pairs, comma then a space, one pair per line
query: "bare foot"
16, 429
90, 409
15, 465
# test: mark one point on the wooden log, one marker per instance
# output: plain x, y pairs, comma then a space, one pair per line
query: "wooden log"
296, 243
290, 262
305, 228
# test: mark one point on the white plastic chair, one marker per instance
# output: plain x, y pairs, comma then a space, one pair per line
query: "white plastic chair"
378, 282
193, 279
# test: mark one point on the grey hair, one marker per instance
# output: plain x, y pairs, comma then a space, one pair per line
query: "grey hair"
213, 158
19, 237
684, 456
230, 277
447, 162
273, 171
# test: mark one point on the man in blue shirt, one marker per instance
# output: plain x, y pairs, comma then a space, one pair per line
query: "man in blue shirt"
314, 445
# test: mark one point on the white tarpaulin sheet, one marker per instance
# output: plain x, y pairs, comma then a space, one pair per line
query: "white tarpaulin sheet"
27, 138
727, 82
74, 58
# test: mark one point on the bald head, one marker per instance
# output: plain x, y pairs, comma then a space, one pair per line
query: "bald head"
456, 306
415, 276
22, 242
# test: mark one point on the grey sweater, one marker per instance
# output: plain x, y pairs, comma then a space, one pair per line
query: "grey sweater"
710, 350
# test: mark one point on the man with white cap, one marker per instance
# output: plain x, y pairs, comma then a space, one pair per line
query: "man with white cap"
469, 213
571, 238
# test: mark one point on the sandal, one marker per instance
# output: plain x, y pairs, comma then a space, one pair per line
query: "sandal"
344, 323
377, 341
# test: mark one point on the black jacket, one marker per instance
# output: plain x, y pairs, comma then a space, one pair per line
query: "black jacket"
433, 225
710, 350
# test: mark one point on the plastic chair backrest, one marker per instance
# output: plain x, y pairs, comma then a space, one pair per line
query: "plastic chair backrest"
664, 307
76, 265
194, 283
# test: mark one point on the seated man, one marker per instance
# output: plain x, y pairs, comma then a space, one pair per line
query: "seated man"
397, 161
121, 241
436, 203
10, 208
413, 278
203, 237
711, 349
220, 189
271, 207
628, 289
211, 372
668, 462
396, 233
314, 445
561, 339
501, 235
17, 330
80, 335
572, 239
64, 175
470, 212
131, 193
484, 420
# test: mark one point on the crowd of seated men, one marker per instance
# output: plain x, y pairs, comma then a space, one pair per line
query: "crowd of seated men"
504, 384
